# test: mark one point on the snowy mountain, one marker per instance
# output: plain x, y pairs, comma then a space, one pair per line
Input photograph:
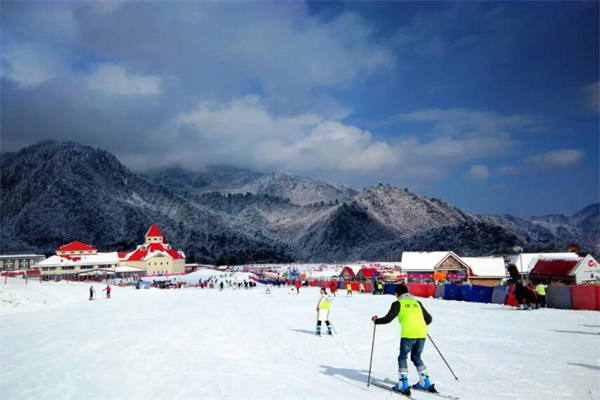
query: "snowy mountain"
52, 193
299, 190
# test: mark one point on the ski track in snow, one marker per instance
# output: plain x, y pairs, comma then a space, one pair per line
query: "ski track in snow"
201, 343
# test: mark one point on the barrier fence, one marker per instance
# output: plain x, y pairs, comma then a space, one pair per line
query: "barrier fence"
580, 297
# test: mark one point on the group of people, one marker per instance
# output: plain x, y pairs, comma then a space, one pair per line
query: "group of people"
530, 297
106, 289
413, 318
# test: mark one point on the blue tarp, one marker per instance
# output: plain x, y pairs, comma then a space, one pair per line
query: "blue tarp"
559, 297
341, 285
451, 292
465, 292
439, 291
481, 294
389, 288
499, 294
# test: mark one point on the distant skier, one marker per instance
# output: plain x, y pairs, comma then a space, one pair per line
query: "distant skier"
221, 286
333, 288
541, 292
348, 289
362, 287
107, 289
323, 311
91, 293
268, 288
414, 319
298, 284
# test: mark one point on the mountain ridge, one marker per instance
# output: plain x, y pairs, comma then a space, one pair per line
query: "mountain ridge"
56, 192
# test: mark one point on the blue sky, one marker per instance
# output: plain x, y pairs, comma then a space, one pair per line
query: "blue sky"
492, 107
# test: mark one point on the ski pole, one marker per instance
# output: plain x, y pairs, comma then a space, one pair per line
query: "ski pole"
333, 327
371, 362
441, 355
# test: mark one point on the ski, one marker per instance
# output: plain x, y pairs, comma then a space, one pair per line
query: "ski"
445, 396
383, 385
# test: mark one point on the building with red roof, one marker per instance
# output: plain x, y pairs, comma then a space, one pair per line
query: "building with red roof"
366, 273
156, 256
76, 247
347, 273
566, 270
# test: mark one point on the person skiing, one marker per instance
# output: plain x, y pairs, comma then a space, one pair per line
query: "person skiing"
298, 284
323, 311
361, 287
413, 318
91, 293
349, 289
107, 289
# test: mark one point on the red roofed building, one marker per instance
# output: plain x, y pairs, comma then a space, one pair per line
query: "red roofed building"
75, 247
156, 256
347, 273
568, 271
366, 273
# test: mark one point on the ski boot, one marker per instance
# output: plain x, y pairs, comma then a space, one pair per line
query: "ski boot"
424, 383
329, 332
318, 332
402, 385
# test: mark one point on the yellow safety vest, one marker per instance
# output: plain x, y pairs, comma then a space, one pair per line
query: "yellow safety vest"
541, 290
411, 319
349, 287
324, 304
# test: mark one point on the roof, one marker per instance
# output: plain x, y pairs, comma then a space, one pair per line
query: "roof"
367, 272
81, 259
553, 267
153, 231
528, 260
152, 250
76, 246
127, 268
425, 260
349, 270
486, 267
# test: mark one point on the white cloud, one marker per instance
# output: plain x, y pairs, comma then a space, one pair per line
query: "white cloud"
244, 132
558, 159
592, 96
30, 64
478, 173
460, 134
114, 79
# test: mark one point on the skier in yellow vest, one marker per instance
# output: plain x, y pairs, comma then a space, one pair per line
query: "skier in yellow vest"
413, 318
349, 289
323, 311
541, 292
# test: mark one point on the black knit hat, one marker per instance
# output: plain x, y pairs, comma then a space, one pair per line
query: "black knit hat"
401, 289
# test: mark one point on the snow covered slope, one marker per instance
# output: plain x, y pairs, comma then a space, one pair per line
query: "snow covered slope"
200, 343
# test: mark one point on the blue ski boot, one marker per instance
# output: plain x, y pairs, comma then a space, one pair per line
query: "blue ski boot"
318, 333
424, 383
402, 385
329, 332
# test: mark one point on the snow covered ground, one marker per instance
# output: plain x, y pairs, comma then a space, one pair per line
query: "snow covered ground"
200, 343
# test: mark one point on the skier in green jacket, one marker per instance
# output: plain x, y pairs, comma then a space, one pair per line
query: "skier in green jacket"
413, 318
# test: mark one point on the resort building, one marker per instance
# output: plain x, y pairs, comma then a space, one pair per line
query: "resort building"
155, 256
19, 262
